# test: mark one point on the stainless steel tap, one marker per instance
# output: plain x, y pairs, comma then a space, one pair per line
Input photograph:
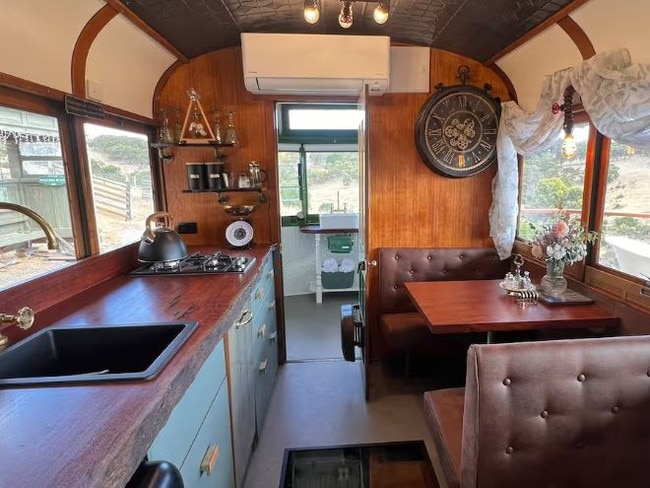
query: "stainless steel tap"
52, 242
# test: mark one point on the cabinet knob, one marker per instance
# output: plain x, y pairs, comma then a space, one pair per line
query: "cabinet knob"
244, 319
259, 294
270, 274
272, 305
262, 366
210, 459
272, 336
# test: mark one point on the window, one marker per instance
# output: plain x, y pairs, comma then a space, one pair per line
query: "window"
549, 182
120, 175
32, 175
95, 198
625, 242
318, 161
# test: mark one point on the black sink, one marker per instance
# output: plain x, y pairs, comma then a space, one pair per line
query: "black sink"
92, 354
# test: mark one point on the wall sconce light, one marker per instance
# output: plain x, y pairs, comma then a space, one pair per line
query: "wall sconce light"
569, 148
311, 12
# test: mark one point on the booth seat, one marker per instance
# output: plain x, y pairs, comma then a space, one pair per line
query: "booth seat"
555, 414
403, 328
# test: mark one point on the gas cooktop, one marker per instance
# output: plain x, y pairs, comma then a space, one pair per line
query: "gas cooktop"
197, 264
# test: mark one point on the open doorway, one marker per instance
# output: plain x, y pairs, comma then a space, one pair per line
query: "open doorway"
318, 174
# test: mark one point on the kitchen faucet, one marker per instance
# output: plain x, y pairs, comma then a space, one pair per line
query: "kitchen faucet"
52, 242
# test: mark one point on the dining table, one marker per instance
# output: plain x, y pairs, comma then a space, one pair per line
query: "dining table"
452, 307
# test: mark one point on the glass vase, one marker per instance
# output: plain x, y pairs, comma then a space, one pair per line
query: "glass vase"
553, 282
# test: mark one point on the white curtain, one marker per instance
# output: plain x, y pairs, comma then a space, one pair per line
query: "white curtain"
616, 95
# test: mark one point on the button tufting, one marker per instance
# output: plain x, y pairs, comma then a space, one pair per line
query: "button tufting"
461, 256
581, 377
428, 258
510, 450
615, 409
395, 287
396, 256
444, 271
507, 381
544, 414
412, 271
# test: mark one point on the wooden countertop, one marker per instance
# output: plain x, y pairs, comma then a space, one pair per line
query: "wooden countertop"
95, 435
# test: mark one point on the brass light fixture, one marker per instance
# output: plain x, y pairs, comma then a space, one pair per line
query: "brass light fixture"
569, 148
311, 12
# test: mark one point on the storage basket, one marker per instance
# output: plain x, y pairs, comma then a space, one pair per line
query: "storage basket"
337, 280
340, 244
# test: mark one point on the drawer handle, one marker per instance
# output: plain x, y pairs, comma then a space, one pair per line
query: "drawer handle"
259, 294
261, 332
262, 366
210, 459
272, 336
244, 319
272, 305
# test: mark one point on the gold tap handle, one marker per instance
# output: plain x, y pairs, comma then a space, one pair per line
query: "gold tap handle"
24, 318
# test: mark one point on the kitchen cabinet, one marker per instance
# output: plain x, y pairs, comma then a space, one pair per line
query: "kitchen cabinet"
252, 351
239, 351
265, 340
197, 435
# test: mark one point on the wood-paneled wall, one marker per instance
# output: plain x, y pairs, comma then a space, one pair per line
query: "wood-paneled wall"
410, 205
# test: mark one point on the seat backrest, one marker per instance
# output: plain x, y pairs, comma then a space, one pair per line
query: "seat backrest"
401, 265
556, 414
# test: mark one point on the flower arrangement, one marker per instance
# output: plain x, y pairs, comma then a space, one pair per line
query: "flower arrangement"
563, 239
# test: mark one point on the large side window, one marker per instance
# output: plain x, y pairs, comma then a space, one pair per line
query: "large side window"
32, 175
121, 181
625, 243
552, 182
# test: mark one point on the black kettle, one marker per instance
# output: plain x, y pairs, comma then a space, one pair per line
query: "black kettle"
160, 243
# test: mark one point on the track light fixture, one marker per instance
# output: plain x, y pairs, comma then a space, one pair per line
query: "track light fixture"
311, 12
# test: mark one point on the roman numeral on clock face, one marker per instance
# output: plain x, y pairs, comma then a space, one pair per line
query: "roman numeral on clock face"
434, 133
438, 146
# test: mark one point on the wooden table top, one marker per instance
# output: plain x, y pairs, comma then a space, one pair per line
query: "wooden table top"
482, 306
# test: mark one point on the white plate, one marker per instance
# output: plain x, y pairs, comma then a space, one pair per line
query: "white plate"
239, 233
510, 289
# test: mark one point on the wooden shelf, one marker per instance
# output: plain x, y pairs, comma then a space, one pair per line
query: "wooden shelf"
223, 199
208, 143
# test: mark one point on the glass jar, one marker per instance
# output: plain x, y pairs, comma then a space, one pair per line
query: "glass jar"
554, 283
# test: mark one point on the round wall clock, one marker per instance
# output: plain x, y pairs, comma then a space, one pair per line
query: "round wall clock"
239, 234
456, 130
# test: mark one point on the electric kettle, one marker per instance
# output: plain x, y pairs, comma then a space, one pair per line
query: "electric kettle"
160, 243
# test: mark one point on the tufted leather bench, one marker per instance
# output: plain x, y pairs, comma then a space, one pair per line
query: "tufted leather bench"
402, 327
555, 414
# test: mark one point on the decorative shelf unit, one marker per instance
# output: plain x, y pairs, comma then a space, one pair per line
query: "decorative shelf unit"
317, 231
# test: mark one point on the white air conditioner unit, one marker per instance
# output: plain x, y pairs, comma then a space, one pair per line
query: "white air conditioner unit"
315, 64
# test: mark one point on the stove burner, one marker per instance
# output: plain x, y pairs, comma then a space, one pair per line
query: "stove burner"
197, 264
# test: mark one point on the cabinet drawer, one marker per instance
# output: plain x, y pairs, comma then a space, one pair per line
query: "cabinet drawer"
264, 289
209, 462
266, 371
175, 438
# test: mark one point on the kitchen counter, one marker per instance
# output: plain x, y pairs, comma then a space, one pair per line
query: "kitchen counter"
95, 435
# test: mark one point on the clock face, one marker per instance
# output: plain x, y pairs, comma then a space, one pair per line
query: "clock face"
456, 131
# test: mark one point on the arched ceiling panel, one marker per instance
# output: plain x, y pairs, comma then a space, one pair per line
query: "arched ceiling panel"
544, 54
612, 24
127, 64
39, 38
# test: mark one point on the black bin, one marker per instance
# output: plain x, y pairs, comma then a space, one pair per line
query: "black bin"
156, 474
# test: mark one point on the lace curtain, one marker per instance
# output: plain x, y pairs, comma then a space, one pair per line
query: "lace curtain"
616, 95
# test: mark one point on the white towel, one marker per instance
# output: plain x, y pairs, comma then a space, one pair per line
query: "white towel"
330, 266
347, 265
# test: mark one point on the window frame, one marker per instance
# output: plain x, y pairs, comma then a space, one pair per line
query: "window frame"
76, 162
609, 281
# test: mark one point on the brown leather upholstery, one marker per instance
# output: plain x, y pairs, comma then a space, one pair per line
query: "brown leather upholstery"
571, 413
401, 325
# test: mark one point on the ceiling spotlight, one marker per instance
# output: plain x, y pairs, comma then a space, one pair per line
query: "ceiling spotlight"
380, 14
310, 11
346, 17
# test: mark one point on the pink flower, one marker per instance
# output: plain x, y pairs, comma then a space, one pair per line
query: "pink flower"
561, 229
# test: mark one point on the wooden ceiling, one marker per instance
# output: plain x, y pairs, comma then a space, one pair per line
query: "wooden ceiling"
479, 29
